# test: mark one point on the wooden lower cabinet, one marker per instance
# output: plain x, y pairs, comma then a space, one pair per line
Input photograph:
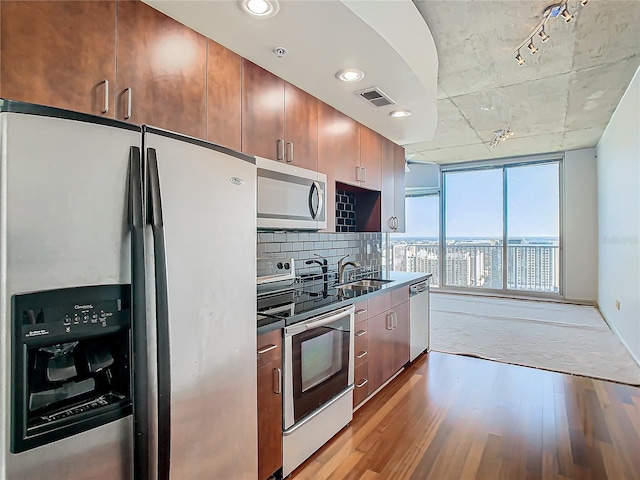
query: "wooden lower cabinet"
269, 403
388, 344
361, 355
361, 382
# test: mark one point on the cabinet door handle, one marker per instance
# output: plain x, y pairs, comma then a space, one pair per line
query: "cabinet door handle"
389, 321
129, 93
280, 149
266, 349
360, 333
364, 174
362, 383
358, 175
361, 354
390, 222
361, 311
105, 107
277, 381
290, 147
395, 319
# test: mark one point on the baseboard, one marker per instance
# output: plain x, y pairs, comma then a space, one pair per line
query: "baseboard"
515, 296
617, 334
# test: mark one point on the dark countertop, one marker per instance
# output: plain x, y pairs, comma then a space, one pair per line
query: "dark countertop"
398, 280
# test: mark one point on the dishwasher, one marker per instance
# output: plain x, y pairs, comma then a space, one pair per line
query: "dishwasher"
418, 318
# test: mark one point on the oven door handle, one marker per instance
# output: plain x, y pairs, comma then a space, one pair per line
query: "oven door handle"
318, 321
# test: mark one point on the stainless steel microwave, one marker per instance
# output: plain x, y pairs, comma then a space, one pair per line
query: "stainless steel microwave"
290, 197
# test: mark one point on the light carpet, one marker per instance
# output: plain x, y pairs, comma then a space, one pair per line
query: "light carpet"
552, 336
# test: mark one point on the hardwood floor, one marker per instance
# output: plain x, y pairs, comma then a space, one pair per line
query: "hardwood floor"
450, 417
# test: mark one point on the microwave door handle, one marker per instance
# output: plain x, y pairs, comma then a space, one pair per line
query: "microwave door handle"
315, 187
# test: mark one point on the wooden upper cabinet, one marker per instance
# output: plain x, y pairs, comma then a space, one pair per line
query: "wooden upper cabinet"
279, 121
338, 153
300, 127
393, 160
59, 54
224, 96
398, 186
388, 185
262, 112
161, 79
370, 159
338, 144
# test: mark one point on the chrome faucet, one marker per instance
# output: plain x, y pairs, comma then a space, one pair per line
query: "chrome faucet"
342, 265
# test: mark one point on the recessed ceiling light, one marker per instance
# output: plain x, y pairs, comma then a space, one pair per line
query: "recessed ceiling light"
350, 75
259, 8
400, 113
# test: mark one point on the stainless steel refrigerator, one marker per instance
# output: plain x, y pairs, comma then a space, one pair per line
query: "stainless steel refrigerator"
127, 301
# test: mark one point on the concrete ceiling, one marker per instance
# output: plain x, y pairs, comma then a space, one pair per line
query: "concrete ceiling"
561, 99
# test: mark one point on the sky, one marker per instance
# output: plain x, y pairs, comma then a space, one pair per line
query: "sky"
474, 204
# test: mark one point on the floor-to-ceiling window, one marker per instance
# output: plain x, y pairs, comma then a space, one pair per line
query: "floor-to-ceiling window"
533, 227
473, 228
501, 227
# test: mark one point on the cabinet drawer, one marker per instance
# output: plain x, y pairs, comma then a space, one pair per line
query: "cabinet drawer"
361, 349
361, 390
399, 295
378, 304
362, 312
269, 347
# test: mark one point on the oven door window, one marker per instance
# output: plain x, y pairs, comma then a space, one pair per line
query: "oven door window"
320, 366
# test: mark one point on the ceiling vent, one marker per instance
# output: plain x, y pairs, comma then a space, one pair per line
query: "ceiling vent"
375, 97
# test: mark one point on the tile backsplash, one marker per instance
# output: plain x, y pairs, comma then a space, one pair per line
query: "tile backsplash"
302, 246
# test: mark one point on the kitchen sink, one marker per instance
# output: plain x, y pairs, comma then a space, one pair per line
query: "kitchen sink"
367, 284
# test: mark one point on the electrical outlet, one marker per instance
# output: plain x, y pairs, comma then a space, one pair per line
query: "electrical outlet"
617, 304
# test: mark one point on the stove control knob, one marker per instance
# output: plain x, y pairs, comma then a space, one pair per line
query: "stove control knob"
279, 265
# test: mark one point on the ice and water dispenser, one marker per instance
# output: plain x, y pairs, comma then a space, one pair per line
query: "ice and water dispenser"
71, 362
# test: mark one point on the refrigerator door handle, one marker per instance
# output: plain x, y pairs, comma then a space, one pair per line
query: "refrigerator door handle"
154, 218
138, 320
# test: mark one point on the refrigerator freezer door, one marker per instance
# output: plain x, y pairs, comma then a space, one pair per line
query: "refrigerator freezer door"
208, 224
63, 205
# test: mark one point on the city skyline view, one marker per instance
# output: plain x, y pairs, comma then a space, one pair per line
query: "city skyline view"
477, 204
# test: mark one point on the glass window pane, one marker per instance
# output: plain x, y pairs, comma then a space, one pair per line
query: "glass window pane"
474, 228
417, 249
533, 228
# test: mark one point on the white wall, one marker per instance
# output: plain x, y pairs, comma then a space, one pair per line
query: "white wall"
619, 219
580, 225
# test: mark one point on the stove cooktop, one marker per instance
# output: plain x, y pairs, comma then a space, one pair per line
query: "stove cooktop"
302, 299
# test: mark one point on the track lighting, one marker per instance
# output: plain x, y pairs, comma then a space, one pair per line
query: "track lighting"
552, 11
500, 136
543, 35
